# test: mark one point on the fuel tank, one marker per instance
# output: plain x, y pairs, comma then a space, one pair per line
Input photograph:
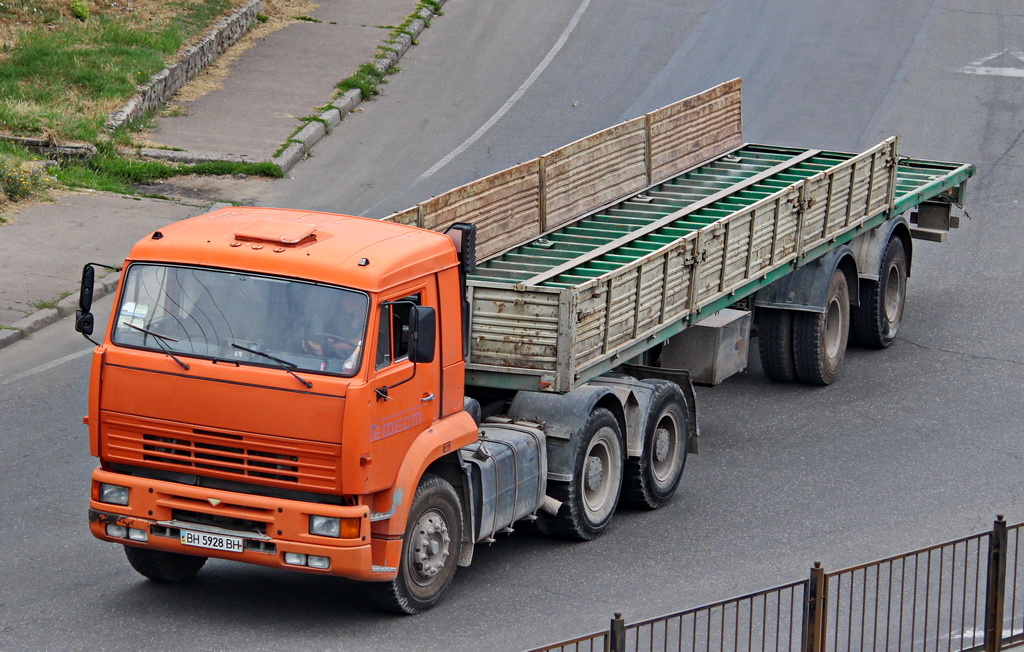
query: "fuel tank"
508, 470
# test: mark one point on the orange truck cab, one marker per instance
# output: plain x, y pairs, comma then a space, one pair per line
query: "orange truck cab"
277, 390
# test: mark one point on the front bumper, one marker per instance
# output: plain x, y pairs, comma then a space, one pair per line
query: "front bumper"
269, 527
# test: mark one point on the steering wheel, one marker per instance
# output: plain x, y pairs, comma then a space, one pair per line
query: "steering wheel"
331, 344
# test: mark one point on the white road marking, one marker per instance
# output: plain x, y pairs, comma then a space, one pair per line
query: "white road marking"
45, 367
484, 128
979, 67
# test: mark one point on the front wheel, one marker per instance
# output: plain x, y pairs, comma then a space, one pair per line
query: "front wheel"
430, 550
165, 567
652, 479
590, 498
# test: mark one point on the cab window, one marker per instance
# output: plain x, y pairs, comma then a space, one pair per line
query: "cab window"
394, 329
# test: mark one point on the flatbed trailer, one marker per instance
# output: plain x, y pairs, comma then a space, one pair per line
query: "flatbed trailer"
672, 223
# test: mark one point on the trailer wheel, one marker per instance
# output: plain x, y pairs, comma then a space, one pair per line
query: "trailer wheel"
652, 479
819, 342
589, 500
877, 320
430, 550
775, 344
160, 566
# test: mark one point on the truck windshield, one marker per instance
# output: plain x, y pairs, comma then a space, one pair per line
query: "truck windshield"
244, 318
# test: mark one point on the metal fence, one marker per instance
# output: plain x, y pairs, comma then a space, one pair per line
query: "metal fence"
958, 596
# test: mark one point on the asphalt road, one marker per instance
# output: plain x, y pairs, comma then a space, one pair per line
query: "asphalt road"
911, 446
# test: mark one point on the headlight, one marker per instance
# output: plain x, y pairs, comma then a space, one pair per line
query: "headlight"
325, 526
113, 494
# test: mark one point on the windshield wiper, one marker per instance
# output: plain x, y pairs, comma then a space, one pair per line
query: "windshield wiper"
284, 364
158, 338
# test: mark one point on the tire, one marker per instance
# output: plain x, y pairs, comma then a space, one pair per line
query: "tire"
430, 550
877, 319
590, 499
819, 339
652, 479
164, 567
775, 344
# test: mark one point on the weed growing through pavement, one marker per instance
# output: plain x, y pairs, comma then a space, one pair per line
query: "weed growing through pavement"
368, 78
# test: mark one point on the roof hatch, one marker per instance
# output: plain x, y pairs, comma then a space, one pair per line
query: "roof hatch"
276, 231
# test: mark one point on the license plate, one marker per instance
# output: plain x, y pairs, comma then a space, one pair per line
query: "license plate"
211, 541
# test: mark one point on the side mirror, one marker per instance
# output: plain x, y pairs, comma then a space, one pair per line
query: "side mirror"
85, 293
464, 237
83, 317
84, 321
423, 335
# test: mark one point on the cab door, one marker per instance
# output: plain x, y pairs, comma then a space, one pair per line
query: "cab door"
405, 398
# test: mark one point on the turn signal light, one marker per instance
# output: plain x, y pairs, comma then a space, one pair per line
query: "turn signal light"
350, 528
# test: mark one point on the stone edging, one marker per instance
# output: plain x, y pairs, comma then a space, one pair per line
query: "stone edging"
168, 81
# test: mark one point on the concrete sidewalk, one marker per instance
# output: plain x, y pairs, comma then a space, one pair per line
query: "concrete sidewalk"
287, 75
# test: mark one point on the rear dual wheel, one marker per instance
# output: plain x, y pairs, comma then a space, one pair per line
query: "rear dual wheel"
807, 346
819, 339
652, 479
775, 344
590, 498
878, 317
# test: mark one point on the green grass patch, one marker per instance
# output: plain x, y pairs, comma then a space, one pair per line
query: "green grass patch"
110, 172
50, 305
367, 79
65, 73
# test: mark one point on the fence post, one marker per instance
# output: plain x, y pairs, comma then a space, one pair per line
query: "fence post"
814, 611
617, 634
995, 588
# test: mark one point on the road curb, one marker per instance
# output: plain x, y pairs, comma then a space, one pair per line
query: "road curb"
38, 320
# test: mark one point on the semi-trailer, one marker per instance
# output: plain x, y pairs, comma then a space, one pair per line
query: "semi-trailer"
372, 398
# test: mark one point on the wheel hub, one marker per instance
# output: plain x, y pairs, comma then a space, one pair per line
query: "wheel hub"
430, 545
662, 444
595, 473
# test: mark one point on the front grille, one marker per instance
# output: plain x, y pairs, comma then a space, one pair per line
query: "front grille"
238, 460
226, 522
228, 455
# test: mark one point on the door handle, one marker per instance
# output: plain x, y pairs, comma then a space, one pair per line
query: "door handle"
427, 398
